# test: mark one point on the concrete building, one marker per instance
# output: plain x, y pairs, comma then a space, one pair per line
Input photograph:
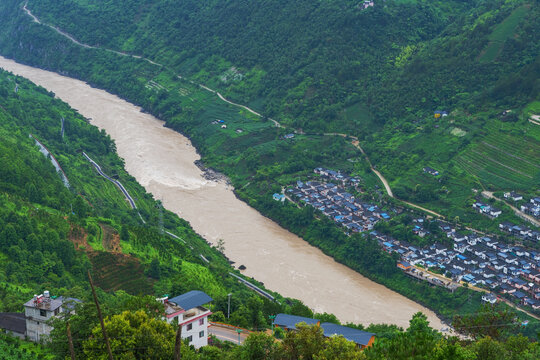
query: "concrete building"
40, 310
187, 311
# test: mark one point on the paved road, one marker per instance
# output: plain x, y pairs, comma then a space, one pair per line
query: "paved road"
116, 182
227, 334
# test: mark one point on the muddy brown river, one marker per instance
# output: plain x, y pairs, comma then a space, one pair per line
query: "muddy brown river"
163, 162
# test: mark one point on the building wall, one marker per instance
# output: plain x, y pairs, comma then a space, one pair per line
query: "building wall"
36, 326
198, 332
196, 328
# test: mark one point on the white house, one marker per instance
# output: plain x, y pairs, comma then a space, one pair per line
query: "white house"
514, 196
188, 312
490, 298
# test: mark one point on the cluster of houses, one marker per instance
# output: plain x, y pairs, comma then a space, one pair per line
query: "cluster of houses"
486, 209
35, 323
478, 260
335, 202
336, 176
520, 231
220, 122
532, 207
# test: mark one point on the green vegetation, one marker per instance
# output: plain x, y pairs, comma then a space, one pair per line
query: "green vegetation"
12, 348
504, 160
137, 334
377, 74
502, 32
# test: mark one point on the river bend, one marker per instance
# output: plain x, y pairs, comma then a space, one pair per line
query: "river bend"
162, 160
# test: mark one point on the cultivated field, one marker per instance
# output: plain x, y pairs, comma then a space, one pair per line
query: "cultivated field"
504, 160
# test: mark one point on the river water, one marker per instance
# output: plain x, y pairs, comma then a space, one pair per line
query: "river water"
163, 162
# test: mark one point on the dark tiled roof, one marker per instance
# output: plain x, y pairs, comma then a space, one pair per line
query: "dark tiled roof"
69, 302
191, 299
358, 336
290, 321
15, 322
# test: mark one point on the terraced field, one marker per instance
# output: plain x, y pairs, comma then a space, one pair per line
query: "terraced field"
504, 161
119, 272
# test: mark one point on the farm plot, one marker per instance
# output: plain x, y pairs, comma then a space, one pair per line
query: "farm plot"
119, 272
503, 162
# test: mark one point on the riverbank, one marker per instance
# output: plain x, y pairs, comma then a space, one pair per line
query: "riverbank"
163, 162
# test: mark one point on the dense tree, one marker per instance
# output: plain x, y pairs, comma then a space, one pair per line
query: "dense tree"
133, 335
495, 321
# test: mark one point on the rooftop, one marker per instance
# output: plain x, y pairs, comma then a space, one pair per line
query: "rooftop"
15, 322
191, 299
290, 321
44, 303
358, 336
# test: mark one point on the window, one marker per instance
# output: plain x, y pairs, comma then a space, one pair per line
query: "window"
42, 313
201, 321
189, 327
190, 338
201, 334
56, 311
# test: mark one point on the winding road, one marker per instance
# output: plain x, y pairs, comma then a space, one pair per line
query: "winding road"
355, 142
116, 182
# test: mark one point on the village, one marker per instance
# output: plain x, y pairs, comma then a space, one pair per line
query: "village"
475, 260
336, 203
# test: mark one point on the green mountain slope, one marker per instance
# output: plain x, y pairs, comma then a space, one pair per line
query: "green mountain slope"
304, 61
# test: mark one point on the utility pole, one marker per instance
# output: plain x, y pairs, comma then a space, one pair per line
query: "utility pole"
178, 343
160, 208
70, 339
229, 305
100, 317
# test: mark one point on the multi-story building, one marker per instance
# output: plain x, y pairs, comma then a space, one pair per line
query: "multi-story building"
40, 310
187, 311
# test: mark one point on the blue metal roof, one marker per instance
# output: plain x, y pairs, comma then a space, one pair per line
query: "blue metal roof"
290, 321
191, 299
358, 336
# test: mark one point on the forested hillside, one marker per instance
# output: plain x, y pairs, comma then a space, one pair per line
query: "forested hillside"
378, 73
305, 61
